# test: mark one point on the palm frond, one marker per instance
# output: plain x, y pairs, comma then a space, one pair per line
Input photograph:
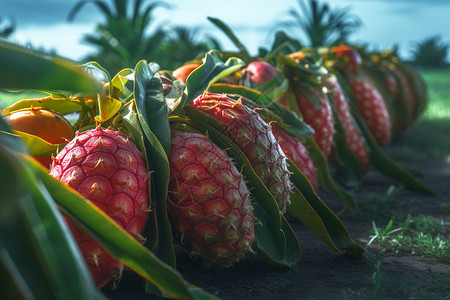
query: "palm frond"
100, 4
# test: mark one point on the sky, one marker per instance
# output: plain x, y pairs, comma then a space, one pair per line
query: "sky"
44, 23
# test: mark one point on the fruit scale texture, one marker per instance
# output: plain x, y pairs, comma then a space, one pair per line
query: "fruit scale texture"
208, 201
108, 169
255, 138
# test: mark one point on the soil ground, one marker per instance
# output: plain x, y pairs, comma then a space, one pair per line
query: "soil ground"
321, 274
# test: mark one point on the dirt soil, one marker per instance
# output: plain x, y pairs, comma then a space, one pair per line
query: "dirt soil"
321, 274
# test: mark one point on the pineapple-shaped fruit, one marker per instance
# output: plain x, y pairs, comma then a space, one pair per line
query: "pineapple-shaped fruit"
208, 201
108, 169
255, 138
353, 137
316, 112
369, 100
298, 153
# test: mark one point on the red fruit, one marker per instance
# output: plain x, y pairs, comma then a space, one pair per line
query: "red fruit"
391, 85
208, 201
352, 136
182, 73
297, 152
106, 168
352, 56
316, 112
371, 106
260, 72
255, 138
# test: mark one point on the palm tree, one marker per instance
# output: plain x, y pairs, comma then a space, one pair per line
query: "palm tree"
322, 25
182, 46
121, 40
6, 30
430, 52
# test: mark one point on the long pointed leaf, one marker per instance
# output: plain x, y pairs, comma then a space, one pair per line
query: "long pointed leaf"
228, 32
387, 166
325, 178
294, 124
308, 208
150, 102
212, 69
36, 247
22, 68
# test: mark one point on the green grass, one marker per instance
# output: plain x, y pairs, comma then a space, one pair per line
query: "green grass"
437, 81
387, 286
428, 137
420, 235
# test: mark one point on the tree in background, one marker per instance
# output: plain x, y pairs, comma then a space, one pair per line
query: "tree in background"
122, 39
322, 25
430, 52
7, 29
182, 46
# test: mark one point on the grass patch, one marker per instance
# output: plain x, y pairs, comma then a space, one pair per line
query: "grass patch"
437, 81
428, 137
386, 286
421, 235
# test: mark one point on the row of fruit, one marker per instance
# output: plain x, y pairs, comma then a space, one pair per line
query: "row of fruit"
213, 154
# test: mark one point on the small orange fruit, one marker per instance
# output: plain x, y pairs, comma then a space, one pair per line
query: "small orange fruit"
183, 72
48, 125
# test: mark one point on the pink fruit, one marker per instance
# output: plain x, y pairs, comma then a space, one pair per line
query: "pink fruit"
208, 201
297, 152
255, 138
316, 112
260, 72
106, 168
391, 85
353, 138
371, 106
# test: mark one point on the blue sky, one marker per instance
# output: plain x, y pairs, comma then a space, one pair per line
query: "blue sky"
44, 23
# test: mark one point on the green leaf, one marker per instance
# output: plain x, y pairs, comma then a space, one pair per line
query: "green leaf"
283, 45
152, 112
309, 209
37, 146
36, 245
119, 88
22, 68
212, 70
107, 108
275, 112
97, 72
62, 105
387, 166
325, 179
349, 170
159, 163
115, 239
228, 32
150, 102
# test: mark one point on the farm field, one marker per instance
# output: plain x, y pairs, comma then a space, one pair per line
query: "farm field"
406, 233
408, 260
